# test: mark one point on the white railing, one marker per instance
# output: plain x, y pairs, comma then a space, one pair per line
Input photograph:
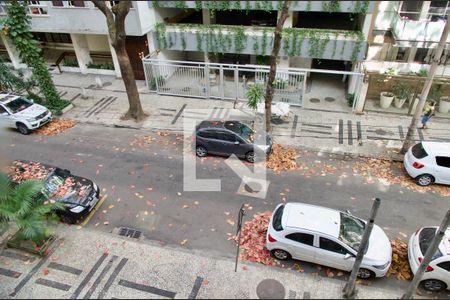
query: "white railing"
420, 31
36, 8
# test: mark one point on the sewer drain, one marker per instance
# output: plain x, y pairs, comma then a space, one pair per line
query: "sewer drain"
129, 232
314, 100
253, 187
270, 289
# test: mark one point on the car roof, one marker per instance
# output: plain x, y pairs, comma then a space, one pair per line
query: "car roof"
437, 148
6, 98
214, 123
311, 217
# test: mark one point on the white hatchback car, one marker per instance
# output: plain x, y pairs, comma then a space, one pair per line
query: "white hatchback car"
429, 162
437, 274
23, 114
328, 237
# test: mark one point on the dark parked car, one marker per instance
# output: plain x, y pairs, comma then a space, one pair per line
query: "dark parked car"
78, 194
230, 137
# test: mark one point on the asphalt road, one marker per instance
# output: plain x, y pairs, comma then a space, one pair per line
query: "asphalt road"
144, 184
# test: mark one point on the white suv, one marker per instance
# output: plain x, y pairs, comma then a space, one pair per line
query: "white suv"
328, 237
429, 162
437, 274
23, 114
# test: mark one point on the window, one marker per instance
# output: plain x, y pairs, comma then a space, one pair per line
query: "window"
18, 104
245, 132
36, 8
2, 110
402, 54
418, 151
425, 238
438, 10
443, 161
304, 238
227, 137
57, 3
78, 3
445, 265
410, 10
329, 245
422, 55
276, 220
210, 134
52, 37
351, 231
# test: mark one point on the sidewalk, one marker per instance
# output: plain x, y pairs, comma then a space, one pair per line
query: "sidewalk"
92, 264
371, 135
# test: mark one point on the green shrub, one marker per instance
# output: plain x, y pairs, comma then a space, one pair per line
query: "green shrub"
402, 90
152, 82
102, 66
422, 73
350, 99
71, 63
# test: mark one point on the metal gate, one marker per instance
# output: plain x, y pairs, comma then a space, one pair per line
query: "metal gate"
220, 81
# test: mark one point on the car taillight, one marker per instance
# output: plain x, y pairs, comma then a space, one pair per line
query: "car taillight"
429, 269
193, 137
270, 238
418, 165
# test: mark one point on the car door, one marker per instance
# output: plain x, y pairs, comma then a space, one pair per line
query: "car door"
5, 118
229, 144
443, 169
209, 140
441, 270
301, 245
333, 254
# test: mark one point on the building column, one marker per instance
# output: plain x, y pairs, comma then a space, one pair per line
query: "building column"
81, 48
115, 59
424, 10
12, 51
206, 17
359, 106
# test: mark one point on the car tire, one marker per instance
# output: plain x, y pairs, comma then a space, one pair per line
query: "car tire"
66, 219
250, 157
425, 180
201, 151
365, 273
433, 285
280, 254
23, 129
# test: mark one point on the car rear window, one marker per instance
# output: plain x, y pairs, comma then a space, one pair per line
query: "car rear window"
418, 151
425, 238
276, 220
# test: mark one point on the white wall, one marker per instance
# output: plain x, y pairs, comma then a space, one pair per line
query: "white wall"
98, 42
386, 12
373, 66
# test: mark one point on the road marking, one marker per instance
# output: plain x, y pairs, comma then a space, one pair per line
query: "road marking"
178, 114
10, 273
105, 106
18, 256
294, 126
420, 132
196, 288
147, 288
400, 132
64, 268
359, 132
100, 277
112, 277
89, 216
350, 132
89, 276
341, 131
53, 284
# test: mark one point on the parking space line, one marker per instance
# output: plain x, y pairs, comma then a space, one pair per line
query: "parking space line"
53, 284
10, 273
89, 216
147, 288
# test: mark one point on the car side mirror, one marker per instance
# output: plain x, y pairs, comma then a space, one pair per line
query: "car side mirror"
236, 143
348, 256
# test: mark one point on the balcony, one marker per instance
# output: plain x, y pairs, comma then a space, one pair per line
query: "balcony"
408, 32
300, 42
362, 6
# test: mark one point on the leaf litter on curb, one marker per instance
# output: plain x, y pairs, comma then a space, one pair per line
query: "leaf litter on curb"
400, 264
282, 158
55, 126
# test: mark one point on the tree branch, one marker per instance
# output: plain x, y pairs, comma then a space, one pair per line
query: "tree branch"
101, 5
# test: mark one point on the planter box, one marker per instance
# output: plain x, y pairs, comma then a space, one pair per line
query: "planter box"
444, 105
70, 69
67, 108
29, 246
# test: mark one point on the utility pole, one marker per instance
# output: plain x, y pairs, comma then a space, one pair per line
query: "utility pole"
428, 256
349, 289
426, 88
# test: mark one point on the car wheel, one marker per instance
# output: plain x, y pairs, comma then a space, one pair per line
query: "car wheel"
280, 254
433, 285
365, 273
250, 157
66, 219
201, 151
424, 179
23, 129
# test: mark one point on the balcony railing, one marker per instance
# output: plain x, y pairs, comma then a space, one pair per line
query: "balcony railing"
33, 8
300, 42
362, 6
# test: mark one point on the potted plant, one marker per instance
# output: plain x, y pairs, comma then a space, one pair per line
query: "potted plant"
401, 91
386, 99
23, 205
444, 104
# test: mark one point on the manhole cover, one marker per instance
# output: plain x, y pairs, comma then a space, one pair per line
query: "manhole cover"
270, 289
314, 100
253, 187
329, 99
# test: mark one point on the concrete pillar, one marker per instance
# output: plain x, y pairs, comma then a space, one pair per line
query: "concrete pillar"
206, 17
12, 51
361, 99
412, 54
115, 60
367, 25
81, 48
424, 10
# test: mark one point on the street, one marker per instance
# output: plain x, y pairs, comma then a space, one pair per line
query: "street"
143, 180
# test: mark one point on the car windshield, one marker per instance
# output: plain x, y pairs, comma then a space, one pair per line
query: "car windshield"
425, 238
351, 231
65, 188
418, 151
241, 129
18, 105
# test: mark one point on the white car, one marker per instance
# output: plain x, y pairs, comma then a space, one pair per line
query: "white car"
437, 274
23, 114
429, 162
328, 237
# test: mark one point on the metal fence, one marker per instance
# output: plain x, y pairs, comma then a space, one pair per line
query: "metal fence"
220, 81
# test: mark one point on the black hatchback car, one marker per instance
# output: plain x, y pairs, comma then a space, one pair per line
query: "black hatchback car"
79, 195
230, 137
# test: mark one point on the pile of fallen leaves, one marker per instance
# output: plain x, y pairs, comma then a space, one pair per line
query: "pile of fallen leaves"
282, 159
55, 126
253, 239
21, 171
393, 173
400, 265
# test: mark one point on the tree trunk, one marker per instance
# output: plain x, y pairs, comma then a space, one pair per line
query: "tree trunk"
135, 110
426, 88
273, 63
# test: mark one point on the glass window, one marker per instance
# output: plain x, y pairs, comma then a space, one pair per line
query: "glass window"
209, 134
276, 220
18, 105
76, 3
410, 10
245, 132
57, 3
425, 238
227, 137
329, 245
445, 265
351, 231
422, 55
443, 161
418, 151
304, 238
402, 54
